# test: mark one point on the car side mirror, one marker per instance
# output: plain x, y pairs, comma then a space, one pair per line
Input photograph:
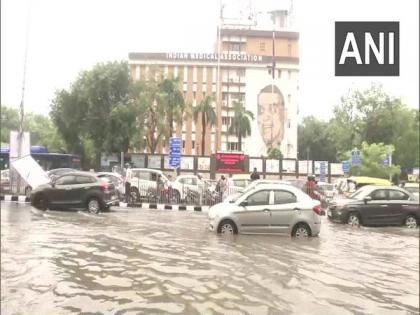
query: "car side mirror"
366, 199
244, 203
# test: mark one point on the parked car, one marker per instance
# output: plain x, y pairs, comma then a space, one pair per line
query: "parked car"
190, 188
117, 180
268, 208
327, 190
144, 184
413, 188
238, 182
376, 205
5, 181
75, 190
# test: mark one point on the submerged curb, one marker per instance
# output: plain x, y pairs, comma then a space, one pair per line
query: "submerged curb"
162, 206
15, 198
151, 206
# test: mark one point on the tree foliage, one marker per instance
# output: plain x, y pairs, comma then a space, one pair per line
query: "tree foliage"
369, 116
372, 161
206, 112
42, 130
241, 123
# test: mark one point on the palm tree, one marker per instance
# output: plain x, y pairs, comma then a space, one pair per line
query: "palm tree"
174, 101
208, 117
241, 123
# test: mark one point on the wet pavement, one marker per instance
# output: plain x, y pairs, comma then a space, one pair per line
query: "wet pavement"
132, 261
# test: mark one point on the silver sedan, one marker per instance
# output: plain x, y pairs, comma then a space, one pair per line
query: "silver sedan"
268, 208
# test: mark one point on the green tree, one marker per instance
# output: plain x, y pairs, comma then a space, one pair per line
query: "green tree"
95, 109
9, 121
173, 100
274, 153
241, 123
372, 158
315, 135
206, 111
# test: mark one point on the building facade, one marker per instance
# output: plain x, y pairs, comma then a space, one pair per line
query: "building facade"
242, 72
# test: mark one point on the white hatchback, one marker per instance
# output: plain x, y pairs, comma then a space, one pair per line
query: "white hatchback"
268, 208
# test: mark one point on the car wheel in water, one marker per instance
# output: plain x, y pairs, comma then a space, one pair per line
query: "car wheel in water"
41, 202
410, 222
227, 227
353, 219
93, 205
301, 231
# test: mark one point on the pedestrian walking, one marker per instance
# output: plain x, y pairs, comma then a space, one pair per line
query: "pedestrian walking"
255, 175
221, 187
127, 183
310, 187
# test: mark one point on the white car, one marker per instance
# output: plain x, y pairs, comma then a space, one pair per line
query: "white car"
238, 182
269, 208
145, 181
189, 186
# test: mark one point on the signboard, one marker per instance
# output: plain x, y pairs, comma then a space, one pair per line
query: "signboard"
345, 165
323, 171
305, 167
30, 171
138, 160
255, 163
187, 163
14, 145
386, 162
355, 158
204, 164
230, 162
154, 161
272, 166
289, 166
336, 168
175, 147
318, 167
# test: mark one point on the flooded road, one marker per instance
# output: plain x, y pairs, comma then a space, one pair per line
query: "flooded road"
132, 261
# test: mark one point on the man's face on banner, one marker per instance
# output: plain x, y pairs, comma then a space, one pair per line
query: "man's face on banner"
271, 118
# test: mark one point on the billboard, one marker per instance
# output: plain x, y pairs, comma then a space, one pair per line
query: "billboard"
230, 162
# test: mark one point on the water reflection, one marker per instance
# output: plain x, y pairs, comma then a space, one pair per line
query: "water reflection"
136, 261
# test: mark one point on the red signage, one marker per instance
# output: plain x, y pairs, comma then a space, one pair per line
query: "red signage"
230, 162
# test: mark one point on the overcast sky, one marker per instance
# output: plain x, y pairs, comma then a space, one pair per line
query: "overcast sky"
68, 36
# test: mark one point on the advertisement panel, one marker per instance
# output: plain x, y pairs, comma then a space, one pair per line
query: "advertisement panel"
230, 162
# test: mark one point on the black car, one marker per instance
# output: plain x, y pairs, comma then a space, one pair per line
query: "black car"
75, 190
376, 205
53, 174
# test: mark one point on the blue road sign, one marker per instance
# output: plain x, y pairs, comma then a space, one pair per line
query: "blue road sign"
345, 165
386, 162
175, 152
355, 158
322, 169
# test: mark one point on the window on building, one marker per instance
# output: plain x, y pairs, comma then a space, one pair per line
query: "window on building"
233, 146
194, 95
193, 144
289, 122
262, 46
289, 49
240, 72
183, 144
204, 95
235, 47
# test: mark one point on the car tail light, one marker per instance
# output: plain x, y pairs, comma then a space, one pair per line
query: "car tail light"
105, 187
317, 209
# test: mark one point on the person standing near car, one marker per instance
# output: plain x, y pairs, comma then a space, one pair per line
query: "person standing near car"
255, 175
311, 186
127, 183
221, 187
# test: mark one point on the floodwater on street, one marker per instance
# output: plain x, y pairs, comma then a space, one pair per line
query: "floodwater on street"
134, 261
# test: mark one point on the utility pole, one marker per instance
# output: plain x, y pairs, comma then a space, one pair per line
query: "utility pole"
218, 67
